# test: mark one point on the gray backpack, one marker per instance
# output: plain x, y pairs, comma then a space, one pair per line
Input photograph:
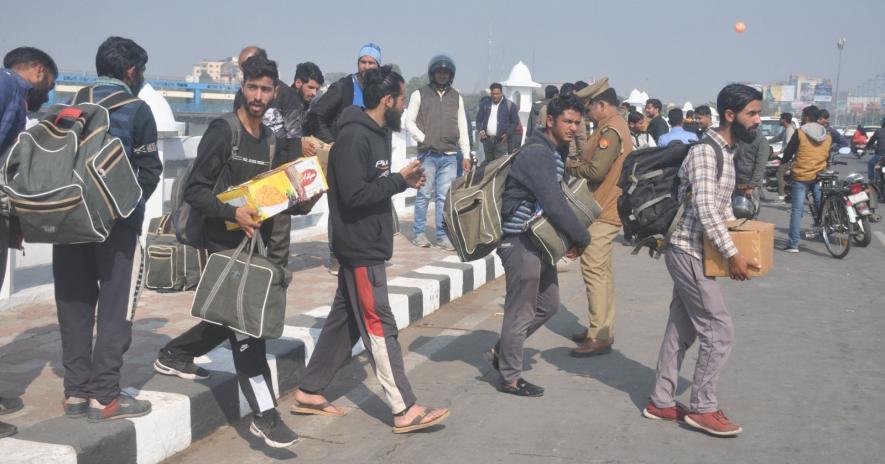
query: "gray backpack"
170, 266
68, 179
472, 212
189, 223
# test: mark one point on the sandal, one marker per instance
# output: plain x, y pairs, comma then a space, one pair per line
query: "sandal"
317, 409
419, 423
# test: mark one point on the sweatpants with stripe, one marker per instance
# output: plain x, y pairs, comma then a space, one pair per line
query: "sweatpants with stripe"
96, 289
361, 310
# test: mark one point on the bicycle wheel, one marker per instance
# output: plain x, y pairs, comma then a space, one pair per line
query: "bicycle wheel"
835, 227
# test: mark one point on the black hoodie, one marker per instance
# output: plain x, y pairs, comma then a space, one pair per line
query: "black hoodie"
360, 188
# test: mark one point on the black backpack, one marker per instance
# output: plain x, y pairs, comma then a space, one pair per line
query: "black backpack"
649, 203
188, 223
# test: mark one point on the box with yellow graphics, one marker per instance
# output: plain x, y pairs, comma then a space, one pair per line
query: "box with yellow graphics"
278, 189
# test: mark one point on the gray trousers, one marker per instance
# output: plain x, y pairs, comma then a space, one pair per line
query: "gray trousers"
361, 310
532, 298
697, 312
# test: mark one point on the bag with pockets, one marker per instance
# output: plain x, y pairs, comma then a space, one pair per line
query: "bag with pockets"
552, 243
472, 211
649, 205
67, 178
243, 291
189, 223
169, 265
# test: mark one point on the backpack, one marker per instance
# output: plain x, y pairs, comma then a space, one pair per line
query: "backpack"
67, 178
169, 265
649, 203
189, 223
472, 211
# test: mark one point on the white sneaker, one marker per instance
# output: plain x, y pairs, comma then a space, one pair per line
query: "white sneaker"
791, 250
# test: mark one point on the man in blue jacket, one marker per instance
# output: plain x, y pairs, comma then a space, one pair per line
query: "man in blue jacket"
496, 122
27, 77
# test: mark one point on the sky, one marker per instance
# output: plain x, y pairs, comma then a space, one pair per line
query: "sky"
675, 50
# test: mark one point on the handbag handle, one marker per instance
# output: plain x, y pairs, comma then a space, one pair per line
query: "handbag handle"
241, 290
222, 277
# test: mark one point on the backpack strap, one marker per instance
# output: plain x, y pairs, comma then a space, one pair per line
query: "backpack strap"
720, 158
236, 131
84, 95
116, 100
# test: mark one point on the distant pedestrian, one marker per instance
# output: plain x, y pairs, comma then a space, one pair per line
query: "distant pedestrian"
641, 138
656, 124
704, 117
677, 133
497, 120
535, 121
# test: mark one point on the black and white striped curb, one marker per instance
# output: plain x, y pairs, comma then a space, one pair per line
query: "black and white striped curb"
185, 411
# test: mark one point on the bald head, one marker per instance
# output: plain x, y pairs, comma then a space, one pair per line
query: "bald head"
249, 52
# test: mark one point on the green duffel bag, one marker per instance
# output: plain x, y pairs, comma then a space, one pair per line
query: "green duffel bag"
550, 242
169, 265
245, 292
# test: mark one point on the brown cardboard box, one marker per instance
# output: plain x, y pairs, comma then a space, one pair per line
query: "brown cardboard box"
753, 239
322, 149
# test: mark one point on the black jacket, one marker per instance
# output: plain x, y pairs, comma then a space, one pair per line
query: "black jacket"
360, 188
508, 117
658, 127
214, 171
532, 177
322, 119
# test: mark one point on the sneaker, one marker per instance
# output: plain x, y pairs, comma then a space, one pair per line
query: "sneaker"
791, 249
10, 405
445, 244
714, 423
7, 430
167, 364
123, 406
673, 413
421, 241
75, 407
270, 427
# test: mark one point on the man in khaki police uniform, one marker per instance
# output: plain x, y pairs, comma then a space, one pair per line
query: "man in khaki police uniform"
601, 163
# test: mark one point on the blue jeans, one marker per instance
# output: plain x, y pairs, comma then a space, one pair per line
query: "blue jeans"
797, 191
871, 167
440, 169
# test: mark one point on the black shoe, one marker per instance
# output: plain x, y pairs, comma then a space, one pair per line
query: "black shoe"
121, 407
273, 430
522, 388
75, 407
10, 405
167, 364
7, 430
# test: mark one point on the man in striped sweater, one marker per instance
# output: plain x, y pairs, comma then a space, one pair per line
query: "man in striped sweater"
532, 284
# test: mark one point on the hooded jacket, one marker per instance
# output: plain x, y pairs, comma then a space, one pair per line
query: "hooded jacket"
811, 147
360, 188
324, 113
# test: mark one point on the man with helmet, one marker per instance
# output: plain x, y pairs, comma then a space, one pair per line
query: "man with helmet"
437, 121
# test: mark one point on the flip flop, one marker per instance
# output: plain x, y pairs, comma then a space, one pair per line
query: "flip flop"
317, 409
419, 422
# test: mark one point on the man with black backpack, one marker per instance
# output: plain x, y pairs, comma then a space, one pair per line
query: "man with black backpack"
27, 77
96, 284
214, 170
697, 310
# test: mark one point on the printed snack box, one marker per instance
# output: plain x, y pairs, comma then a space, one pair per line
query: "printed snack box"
277, 190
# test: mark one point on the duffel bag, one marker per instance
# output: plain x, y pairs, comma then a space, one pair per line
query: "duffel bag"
552, 244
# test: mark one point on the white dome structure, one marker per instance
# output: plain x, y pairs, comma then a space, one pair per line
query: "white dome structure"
687, 107
162, 111
520, 76
518, 88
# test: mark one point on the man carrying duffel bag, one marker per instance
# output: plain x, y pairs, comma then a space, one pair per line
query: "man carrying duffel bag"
215, 169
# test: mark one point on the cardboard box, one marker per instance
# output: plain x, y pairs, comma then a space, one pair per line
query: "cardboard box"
279, 189
753, 239
322, 149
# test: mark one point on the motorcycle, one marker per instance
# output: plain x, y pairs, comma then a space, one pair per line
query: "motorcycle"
857, 201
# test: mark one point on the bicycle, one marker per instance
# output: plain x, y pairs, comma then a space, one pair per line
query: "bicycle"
831, 215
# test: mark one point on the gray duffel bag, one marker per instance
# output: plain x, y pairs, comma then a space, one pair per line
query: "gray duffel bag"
243, 291
552, 244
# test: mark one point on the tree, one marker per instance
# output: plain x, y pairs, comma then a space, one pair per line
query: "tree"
416, 83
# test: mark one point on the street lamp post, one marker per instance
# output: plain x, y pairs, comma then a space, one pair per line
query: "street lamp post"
840, 44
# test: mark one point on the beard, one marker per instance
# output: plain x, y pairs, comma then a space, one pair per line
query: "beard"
743, 133
393, 119
250, 108
36, 98
136, 85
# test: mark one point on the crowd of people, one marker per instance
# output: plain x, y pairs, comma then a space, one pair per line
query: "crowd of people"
357, 115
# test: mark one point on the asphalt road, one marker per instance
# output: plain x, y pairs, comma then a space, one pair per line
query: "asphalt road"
805, 379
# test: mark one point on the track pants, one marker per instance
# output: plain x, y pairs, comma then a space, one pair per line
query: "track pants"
361, 310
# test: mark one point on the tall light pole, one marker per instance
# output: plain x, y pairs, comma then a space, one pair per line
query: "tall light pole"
840, 44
